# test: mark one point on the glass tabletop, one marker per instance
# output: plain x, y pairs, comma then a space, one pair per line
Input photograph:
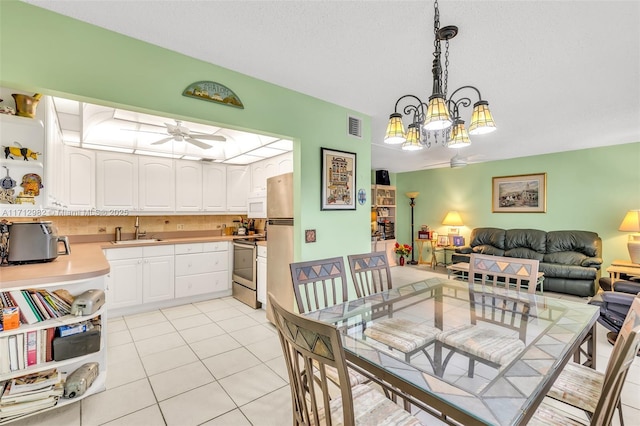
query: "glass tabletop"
480, 354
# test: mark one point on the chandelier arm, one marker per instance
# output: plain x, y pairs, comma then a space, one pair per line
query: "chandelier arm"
418, 110
466, 87
454, 106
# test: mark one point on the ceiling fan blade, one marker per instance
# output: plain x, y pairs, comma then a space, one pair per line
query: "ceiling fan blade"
197, 143
143, 131
207, 137
161, 141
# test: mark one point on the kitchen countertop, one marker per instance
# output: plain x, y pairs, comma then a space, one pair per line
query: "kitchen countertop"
85, 261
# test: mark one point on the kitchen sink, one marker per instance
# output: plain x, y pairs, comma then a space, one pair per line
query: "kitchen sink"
144, 241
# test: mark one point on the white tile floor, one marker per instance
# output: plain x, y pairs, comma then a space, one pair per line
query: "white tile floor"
217, 362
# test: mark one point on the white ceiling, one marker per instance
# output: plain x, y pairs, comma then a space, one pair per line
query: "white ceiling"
559, 75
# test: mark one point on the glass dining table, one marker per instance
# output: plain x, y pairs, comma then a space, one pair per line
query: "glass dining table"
453, 361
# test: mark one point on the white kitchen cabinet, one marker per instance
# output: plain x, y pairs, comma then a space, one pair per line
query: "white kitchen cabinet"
202, 268
158, 269
214, 187
79, 178
189, 186
238, 184
54, 177
157, 184
123, 287
261, 276
116, 181
264, 169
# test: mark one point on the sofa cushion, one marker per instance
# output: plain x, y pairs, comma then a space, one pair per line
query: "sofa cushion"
581, 241
489, 236
567, 271
565, 257
533, 239
488, 249
524, 253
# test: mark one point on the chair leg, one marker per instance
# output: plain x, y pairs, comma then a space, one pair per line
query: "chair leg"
472, 366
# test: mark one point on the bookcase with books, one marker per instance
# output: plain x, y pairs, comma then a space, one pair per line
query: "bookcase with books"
47, 346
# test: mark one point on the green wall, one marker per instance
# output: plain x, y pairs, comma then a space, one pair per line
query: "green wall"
588, 189
56, 55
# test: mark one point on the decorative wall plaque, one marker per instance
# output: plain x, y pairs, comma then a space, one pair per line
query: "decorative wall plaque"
213, 92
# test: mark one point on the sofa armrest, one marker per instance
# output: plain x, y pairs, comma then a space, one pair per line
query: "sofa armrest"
624, 286
464, 250
593, 262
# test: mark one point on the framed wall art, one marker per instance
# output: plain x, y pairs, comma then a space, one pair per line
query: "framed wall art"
520, 194
338, 180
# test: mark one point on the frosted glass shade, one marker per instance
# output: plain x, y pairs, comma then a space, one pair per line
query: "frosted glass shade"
395, 130
459, 136
481, 119
413, 139
437, 117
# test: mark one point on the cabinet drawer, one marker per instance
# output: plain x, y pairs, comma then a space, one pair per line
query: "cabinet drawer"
123, 253
202, 283
262, 251
200, 263
215, 246
189, 248
164, 250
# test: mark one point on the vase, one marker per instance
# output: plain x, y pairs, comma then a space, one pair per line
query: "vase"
401, 260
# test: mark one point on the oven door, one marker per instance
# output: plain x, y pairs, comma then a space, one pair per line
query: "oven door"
244, 264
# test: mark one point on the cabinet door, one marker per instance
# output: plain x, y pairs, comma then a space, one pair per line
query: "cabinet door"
261, 291
124, 283
285, 163
238, 182
158, 278
80, 172
157, 184
54, 156
214, 187
258, 176
188, 186
116, 181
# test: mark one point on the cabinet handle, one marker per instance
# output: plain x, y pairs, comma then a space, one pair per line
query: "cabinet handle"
139, 262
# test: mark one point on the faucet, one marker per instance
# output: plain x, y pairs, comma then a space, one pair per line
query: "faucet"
139, 234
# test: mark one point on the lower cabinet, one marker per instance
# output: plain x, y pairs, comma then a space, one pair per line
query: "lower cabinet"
262, 276
140, 275
202, 268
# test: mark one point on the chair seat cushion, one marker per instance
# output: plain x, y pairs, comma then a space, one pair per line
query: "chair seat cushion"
355, 378
579, 386
547, 415
370, 408
484, 343
401, 334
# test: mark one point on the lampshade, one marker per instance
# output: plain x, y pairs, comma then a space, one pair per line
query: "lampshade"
395, 130
631, 223
481, 119
459, 135
437, 117
452, 219
413, 139
412, 194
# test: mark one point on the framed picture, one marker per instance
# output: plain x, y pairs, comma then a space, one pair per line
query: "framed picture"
458, 240
520, 194
338, 180
443, 240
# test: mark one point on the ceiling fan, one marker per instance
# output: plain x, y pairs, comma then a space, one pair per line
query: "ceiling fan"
180, 133
459, 160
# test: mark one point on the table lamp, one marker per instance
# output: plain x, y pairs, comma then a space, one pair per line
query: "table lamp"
454, 220
631, 223
412, 196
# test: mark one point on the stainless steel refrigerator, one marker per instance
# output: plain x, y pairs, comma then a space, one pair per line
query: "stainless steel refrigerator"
280, 240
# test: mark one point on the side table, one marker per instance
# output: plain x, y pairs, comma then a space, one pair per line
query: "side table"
619, 267
420, 243
440, 249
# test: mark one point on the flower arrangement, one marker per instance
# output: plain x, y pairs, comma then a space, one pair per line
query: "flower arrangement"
403, 249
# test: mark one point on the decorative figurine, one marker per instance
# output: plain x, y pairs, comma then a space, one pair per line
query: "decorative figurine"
20, 151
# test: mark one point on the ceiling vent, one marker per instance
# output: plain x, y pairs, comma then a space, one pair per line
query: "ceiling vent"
355, 126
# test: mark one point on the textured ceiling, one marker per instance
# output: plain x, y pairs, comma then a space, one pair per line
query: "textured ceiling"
559, 75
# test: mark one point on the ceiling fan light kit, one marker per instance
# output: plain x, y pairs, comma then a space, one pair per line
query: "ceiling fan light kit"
440, 117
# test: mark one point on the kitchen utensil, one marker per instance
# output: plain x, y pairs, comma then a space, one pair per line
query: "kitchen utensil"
26, 105
7, 182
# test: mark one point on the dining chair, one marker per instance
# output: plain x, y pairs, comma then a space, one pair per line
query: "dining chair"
596, 393
498, 271
499, 339
371, 274
308, 344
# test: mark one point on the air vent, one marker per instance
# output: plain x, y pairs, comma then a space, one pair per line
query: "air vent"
355, 126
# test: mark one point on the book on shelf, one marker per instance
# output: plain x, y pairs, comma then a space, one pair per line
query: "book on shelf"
32, 382
23, 350
32, 347
35, 305
26, 311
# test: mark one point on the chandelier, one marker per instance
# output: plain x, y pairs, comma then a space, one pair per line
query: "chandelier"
440, 117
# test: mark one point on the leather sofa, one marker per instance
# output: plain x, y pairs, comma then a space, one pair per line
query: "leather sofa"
570, 260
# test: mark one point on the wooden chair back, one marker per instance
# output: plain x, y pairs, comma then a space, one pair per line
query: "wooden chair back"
370, 273
310, 345
498, 271
623, 355
319, 284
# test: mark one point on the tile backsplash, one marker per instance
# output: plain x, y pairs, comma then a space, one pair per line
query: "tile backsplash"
100, 225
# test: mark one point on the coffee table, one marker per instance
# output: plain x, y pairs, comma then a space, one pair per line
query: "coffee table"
461, 271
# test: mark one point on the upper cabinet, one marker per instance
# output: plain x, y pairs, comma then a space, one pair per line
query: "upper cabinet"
189, 186
157, 184
79, 178
116, 181
214, 187
238, 184
264, 169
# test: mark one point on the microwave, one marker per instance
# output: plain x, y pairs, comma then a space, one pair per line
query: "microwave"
257, 205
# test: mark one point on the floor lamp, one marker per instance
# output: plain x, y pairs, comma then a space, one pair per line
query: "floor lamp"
412, 196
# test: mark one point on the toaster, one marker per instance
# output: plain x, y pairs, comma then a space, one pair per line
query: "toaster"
33, 242
88, 302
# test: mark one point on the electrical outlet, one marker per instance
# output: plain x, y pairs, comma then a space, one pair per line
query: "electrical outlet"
180, 227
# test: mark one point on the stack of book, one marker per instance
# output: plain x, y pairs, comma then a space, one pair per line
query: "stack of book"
35, 305
22, 350
30, 393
